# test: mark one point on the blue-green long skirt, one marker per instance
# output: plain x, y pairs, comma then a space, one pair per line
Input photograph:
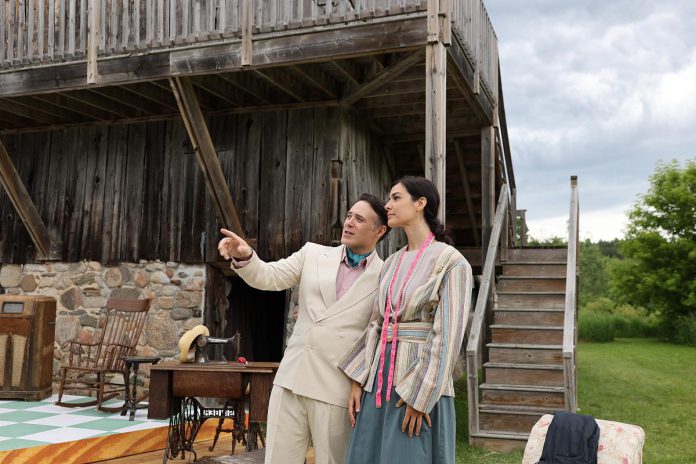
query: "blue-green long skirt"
377, 437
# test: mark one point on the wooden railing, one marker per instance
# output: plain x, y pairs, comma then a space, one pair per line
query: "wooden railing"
483, 302
570, 329
49, 31
472, 26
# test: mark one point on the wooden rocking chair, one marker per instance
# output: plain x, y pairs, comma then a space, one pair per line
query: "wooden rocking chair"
90, 364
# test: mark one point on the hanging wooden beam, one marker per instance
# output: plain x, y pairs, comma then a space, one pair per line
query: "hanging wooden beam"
382, 78
467, 192
205, 154
47, 248
435, 119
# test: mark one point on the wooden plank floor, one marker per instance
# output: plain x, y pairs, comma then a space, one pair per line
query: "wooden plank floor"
155, 457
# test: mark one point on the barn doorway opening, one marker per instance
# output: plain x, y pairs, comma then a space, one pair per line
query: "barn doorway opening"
259, 317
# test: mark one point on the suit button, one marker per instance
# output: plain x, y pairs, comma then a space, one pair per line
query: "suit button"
308, 348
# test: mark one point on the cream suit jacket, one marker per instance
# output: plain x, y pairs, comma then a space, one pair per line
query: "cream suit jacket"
326, 329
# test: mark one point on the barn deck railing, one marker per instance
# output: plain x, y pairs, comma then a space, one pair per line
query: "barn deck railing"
484, 304
48, 32
472, 27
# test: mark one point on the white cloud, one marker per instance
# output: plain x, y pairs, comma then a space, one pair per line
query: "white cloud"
602, 90
606, 224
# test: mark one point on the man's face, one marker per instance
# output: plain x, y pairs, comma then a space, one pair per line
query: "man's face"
361, 229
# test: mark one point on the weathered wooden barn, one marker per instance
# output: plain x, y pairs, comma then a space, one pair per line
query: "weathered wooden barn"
131, 131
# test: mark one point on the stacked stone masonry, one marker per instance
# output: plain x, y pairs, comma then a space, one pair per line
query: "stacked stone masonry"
81, 290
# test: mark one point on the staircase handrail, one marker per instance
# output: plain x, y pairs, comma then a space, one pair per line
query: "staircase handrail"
571, 300
474, 343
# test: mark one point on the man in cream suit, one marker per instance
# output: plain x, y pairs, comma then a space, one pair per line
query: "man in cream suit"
337, 286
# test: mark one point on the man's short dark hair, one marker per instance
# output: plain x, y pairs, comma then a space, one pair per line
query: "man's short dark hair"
377, 206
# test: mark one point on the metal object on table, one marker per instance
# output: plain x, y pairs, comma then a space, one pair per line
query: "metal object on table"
203, 342
175, 386
132, 403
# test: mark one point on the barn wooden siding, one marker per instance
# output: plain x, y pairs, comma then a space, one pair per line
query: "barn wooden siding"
117, 193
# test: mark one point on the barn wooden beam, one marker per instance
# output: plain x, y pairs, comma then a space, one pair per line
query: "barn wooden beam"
27, 112
69, 104
249, 85
467, 192
205, 154
155, 93
282, 81
315, 76
348, 70
103, 103
48, 249
219, 88
17, 129
382, 77
435, 120
123, 96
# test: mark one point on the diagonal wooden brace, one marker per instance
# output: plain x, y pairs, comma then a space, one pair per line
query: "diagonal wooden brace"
48, 249
205, 154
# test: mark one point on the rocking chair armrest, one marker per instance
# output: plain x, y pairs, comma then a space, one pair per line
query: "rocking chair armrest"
113, 346
77, 342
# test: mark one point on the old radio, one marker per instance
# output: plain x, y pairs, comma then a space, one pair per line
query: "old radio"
27, 330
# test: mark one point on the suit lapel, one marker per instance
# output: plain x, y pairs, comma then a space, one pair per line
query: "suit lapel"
327, 268
362, 288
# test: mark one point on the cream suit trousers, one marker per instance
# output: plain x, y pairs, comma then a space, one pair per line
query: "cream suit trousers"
293, 420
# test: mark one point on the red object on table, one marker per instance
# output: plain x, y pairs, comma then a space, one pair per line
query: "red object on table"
241, 360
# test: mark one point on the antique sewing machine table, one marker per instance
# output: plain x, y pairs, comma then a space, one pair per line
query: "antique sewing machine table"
174, 387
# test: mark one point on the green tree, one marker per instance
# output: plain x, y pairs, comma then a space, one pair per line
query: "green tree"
659, 269
594, 277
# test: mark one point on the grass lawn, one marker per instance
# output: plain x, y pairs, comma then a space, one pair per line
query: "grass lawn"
645, 382
639, 381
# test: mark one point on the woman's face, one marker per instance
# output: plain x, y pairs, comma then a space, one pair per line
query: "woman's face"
401, 209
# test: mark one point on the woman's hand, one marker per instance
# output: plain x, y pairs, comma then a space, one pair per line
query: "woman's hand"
413, 420
234, 246
354, 401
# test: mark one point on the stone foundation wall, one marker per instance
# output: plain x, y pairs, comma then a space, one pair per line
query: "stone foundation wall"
81, 290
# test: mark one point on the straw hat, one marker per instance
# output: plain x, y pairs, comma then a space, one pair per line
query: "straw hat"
187, 348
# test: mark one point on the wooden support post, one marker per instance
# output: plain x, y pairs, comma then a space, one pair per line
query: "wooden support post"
487, 186
93, 42
435, 120
247, 21
467, 192
522, 213
48, 249
205, 154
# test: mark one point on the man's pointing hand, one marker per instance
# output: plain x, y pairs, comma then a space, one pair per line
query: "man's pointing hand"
234, 246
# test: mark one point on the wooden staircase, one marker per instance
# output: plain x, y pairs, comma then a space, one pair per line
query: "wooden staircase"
524, 371
521, 348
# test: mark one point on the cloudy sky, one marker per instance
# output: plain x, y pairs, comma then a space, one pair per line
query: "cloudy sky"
599, 89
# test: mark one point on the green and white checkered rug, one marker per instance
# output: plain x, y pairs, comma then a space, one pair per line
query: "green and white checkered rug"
24, 424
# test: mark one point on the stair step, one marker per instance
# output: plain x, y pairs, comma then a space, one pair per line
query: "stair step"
510, 419
525, 354
525, 316
538, 254
523, 395
524, 374
531, 284
526, 334
534, 268
508, 300
500, 442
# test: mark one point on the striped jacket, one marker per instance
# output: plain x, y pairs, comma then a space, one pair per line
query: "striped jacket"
431, 330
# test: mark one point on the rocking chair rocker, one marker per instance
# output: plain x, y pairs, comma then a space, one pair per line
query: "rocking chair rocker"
90, 365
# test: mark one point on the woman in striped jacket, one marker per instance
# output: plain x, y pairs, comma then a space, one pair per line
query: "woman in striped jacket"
411, 345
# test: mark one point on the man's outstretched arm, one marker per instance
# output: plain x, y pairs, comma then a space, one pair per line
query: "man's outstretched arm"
279, 275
